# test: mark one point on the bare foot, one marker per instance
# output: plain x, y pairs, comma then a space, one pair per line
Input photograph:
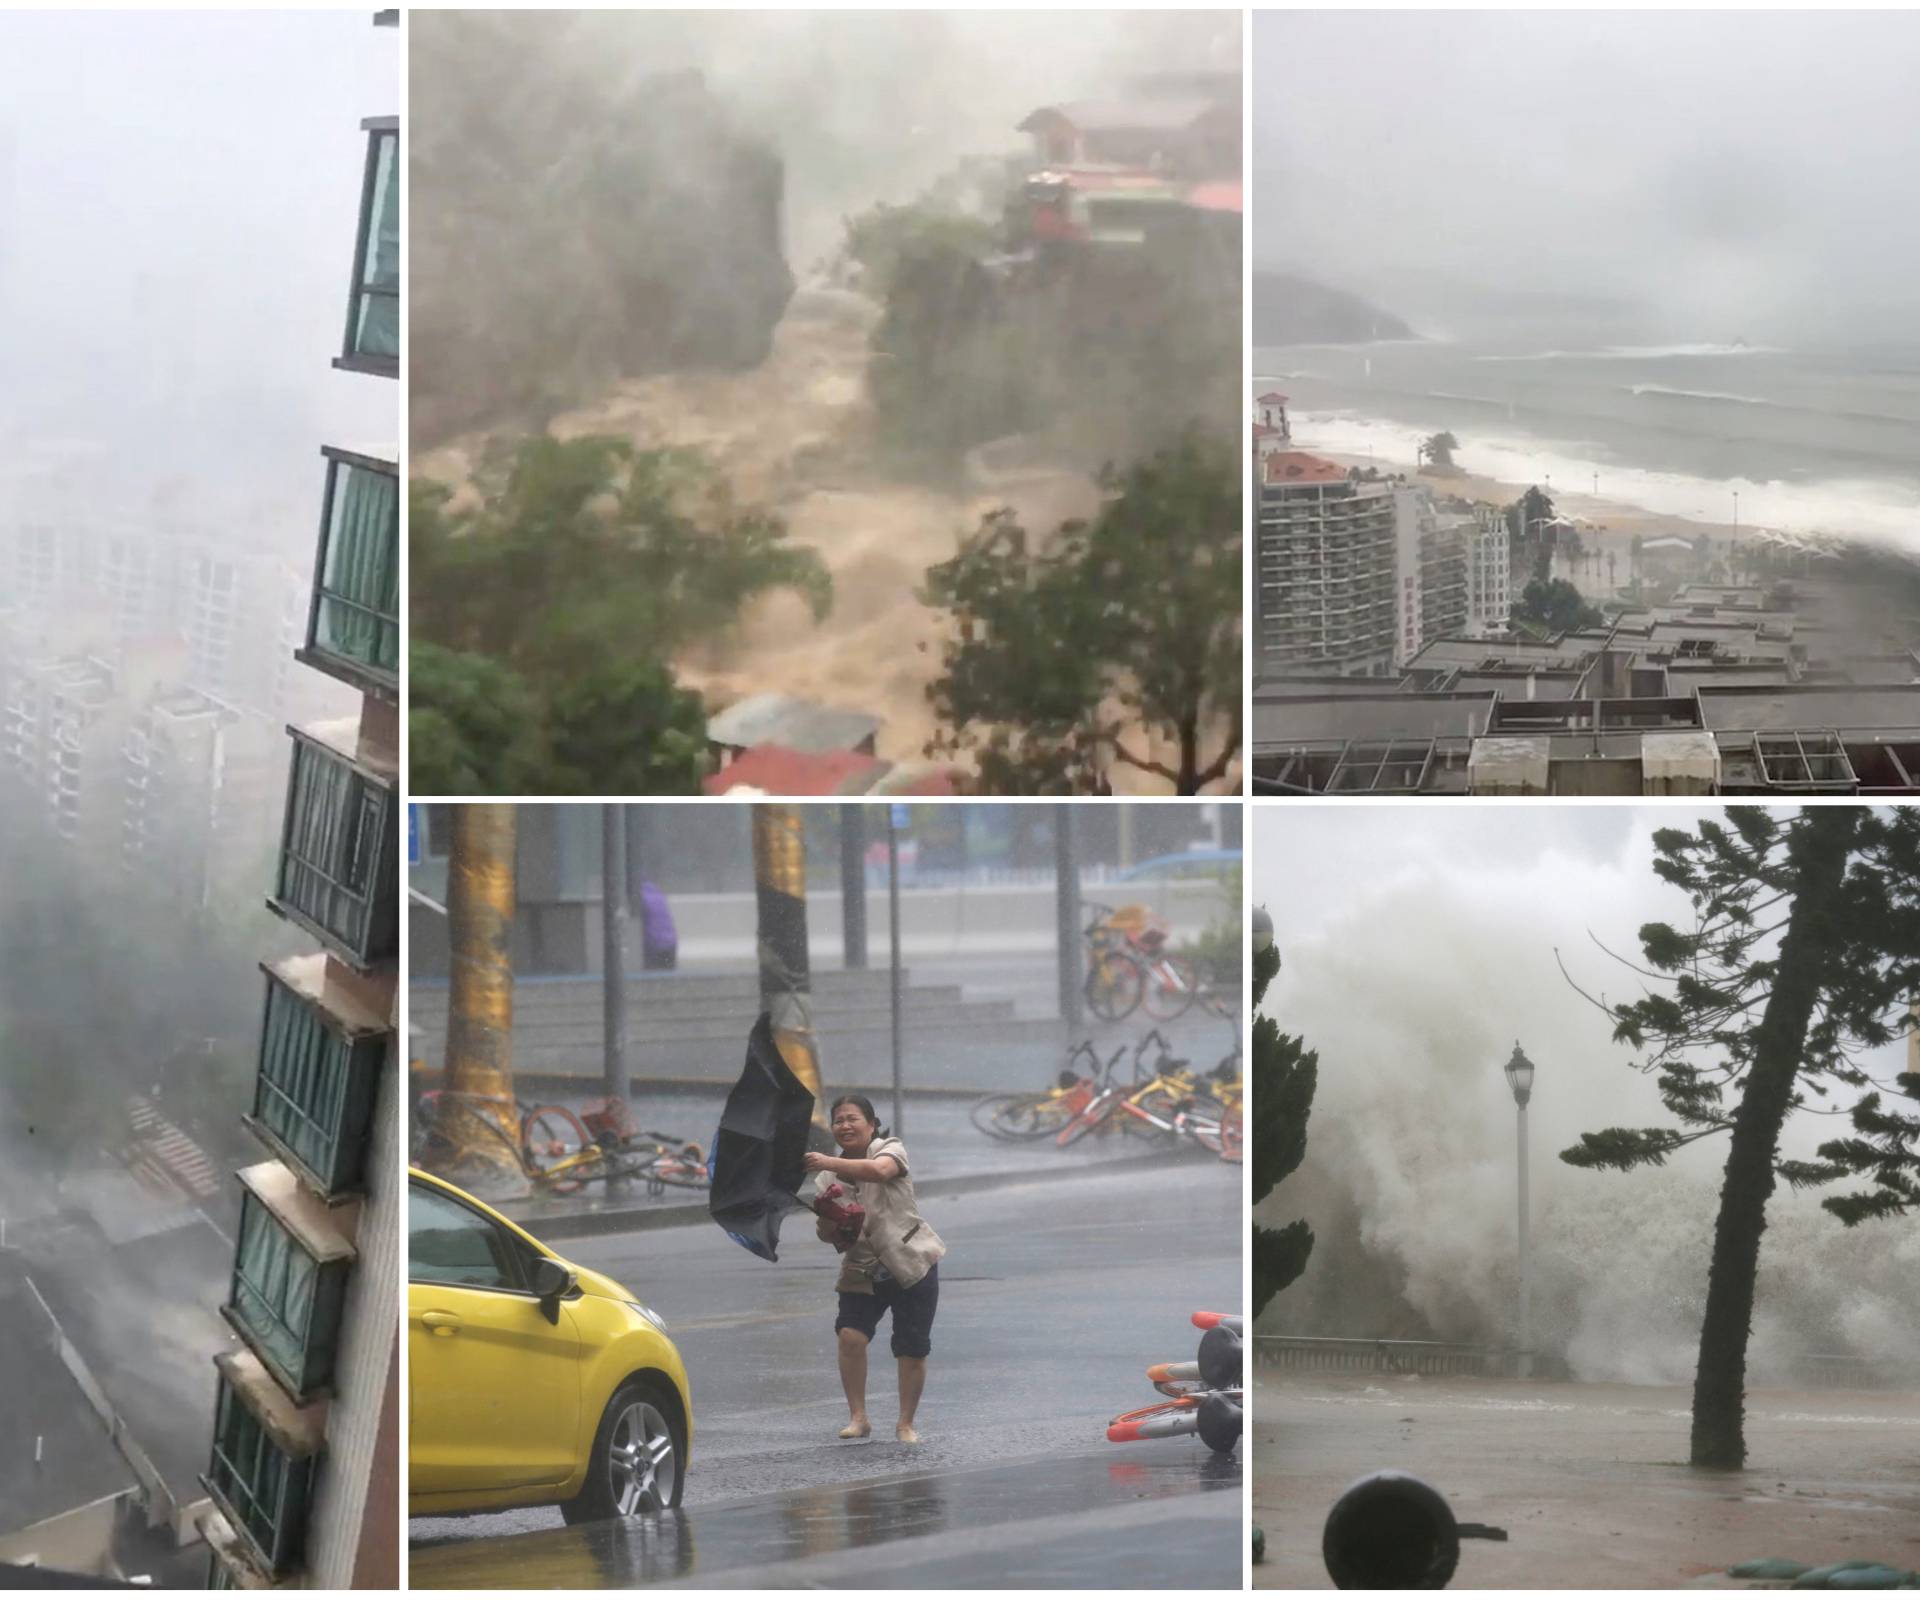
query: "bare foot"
859, 1428
903, 1431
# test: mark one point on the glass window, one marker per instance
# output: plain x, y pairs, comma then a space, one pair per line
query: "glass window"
356, 613
263, 1489
447, 1243
314, 1092
287, 1301
373, 318
337, 863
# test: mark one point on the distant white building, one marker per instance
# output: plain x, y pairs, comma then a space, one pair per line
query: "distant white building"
1489, 574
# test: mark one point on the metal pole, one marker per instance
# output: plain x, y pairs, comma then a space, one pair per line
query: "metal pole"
1526, 1306
853, 887
1066, 890
613, 947
893, 940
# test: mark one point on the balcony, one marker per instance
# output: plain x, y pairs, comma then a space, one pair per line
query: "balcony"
261, 1471
320, 1057
289, 1279
373, 302
353, 621
338, 875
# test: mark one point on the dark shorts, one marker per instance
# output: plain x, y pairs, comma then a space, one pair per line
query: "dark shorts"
912, 1312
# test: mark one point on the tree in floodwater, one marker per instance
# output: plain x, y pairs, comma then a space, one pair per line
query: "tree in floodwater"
1804, 951
1066, 654
1285, 1074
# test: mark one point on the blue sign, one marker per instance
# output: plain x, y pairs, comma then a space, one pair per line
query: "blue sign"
900, 814
413, 835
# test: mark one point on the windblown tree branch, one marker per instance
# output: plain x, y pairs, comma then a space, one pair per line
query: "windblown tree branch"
1751, 1019
1138, 609
1285, 1075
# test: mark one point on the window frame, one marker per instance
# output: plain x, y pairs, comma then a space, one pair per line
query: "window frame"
319, 1338
518, 1251
293, 1500
381, 942
351, 359
364, 1053
366, 675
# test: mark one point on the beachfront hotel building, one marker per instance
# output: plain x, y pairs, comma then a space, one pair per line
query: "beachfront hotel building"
1324, 567
304, 1462
1489, 572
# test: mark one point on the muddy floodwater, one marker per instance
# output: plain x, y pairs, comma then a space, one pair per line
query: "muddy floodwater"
796, 436
1589, 1480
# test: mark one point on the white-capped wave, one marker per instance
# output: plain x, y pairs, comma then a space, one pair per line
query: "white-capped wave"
1881, 511
1643, 352
1702, 394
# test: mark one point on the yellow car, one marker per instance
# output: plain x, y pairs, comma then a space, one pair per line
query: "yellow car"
533, 1381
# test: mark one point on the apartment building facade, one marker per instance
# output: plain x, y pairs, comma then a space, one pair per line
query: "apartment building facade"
304, 1471
1324, 568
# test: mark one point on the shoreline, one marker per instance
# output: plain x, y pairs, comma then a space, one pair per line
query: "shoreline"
1599, 515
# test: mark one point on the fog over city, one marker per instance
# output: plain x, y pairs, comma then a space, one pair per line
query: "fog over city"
1704, 176
177, 194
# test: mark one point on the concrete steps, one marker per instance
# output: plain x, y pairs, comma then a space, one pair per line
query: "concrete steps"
693, 1027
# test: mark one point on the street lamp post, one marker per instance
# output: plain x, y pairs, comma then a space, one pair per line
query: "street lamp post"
1519, 1072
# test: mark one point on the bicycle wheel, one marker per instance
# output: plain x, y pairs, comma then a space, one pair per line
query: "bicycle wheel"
1172, 982
550, 1137
1159, 1106
1020, 1117
1113, 987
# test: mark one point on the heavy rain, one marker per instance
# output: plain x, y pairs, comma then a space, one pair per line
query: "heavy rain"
188, 210
1042, 1004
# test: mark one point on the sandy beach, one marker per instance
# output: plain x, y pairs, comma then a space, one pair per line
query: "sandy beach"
1606, 527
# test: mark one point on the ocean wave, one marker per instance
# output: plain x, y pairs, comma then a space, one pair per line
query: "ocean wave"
1702, 394
1643, 352
1879, 510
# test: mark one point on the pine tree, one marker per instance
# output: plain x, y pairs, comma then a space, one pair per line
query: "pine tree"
1804, 951
1284, 1077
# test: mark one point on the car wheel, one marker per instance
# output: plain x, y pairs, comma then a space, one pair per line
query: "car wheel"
635, 1466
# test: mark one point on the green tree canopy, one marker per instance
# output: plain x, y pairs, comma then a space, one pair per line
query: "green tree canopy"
1138, 609
548, 602
1438, 448
1284, 1077
1556, 605
1804, 951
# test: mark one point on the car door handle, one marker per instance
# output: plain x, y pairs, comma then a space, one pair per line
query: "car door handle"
443, 1323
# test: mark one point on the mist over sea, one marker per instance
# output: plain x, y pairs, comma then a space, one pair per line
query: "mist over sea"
1814, 440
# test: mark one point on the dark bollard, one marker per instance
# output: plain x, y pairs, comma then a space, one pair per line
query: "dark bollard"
1391, 1530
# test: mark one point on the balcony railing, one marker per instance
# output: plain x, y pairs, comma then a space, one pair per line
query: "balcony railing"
262, 1488
338, 876
315, 1090
373, 302
285, 1300
353, 622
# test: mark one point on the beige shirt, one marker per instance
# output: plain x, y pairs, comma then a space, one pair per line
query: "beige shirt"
895, 1236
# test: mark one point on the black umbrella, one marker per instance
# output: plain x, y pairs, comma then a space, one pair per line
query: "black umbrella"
756, 1172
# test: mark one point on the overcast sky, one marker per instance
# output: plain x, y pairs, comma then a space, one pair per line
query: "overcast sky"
1745, 167
178, 199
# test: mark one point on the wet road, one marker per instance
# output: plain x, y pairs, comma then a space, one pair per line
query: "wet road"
1589, 1479
1054, 1299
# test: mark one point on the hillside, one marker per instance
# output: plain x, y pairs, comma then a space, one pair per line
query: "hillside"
1289, 309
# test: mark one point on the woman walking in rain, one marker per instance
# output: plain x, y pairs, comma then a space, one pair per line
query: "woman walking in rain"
893, 1266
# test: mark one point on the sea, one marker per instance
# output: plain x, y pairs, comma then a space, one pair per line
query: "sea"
1813, 441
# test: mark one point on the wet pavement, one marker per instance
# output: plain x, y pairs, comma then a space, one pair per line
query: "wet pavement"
1054, 1299
1589, 1480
